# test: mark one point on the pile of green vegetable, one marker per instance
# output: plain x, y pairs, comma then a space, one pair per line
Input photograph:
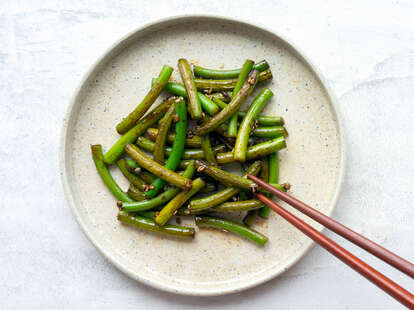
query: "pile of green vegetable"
196, 131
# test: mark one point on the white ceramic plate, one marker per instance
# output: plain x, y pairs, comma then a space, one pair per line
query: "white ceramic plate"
214, 262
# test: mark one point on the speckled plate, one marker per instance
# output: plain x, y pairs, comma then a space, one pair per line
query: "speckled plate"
214, 262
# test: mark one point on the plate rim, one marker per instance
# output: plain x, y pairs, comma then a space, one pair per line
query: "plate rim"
108, 52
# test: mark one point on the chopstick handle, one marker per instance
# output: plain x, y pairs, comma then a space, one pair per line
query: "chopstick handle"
386, 284
363, 242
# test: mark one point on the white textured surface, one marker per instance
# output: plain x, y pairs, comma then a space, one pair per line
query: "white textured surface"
366, 51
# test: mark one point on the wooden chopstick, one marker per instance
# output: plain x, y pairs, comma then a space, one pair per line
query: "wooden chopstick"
363, 242
386, 284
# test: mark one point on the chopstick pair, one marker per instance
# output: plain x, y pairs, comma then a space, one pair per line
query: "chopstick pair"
380, 280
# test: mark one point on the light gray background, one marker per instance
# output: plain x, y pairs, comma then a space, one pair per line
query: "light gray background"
365, 49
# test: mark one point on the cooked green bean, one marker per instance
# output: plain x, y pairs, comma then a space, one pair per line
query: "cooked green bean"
162, 172
190, 87
281, 186
147, 224
221, 196
231, 108
212, 200
134, 193
240, 147
161, 199
250, 218
267, 120
106, 176
265, 75
261, 119
177, 149
242, 78
208, 188
229, 142
221, 129
223, 96
222, 176
206, 103
209, 153
264, 175
194, 141
148, 145
185, 212
144, 175
132, 165
260, 132
255, 151
243, 205
274, 167
226, 141
221, 103
168, 211
113, 154
226, 74
217, 85
134, 179
130, 121
160, 141
147, 214
272, 177
223, 224
214, 85
184, 164
269, 132
199, 154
